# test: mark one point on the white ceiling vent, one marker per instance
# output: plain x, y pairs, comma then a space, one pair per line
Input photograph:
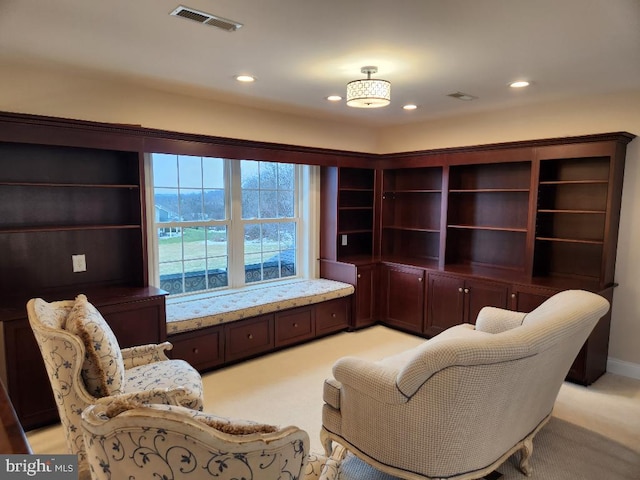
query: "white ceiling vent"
206, 18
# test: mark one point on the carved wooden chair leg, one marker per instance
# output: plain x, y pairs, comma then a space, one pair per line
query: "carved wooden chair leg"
525, 456
326, 442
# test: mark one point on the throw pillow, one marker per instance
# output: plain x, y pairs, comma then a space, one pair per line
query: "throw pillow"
103, 367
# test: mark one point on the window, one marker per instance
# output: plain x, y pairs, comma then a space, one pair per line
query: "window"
222, 223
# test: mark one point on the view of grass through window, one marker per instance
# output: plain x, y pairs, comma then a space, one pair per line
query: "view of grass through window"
196, 227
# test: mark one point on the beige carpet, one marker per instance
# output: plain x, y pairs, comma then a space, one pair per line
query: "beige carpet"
286, 388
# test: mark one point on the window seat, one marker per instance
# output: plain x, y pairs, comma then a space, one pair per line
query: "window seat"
192, 315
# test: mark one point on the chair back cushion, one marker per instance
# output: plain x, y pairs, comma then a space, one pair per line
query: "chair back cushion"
103, 367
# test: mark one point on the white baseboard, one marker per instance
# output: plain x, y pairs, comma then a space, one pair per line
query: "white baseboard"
620, 367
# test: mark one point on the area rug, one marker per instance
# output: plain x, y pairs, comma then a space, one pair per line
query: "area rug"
561, 451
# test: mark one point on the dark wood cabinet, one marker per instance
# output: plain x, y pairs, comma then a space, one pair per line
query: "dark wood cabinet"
454, 300
349, 242
505, 225
364, 277
403, 294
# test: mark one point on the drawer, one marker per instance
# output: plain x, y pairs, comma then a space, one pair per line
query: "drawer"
203, 349
332, 315
246, 338
295, 325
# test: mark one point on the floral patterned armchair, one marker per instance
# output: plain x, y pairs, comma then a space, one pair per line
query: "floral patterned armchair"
138, 441
85, 363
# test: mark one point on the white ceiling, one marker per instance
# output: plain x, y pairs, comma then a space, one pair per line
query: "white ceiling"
303, 50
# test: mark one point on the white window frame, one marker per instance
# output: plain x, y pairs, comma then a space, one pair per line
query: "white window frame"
307, 216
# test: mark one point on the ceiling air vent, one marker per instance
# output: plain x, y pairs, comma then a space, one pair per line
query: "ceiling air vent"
462, 96
206, 18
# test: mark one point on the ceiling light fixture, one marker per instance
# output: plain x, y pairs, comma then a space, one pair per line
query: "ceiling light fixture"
410, 106
519, 84
368, 92
245, 78
334, 98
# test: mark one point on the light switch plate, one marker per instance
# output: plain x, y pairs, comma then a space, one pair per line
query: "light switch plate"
79, 263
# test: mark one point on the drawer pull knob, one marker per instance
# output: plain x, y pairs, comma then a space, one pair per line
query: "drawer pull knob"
333, 315
195, 350
295, 325
250, 336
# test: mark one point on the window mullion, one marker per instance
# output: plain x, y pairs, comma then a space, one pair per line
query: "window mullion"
236, 228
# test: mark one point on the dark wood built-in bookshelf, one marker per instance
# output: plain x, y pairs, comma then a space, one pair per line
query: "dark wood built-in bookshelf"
504, 225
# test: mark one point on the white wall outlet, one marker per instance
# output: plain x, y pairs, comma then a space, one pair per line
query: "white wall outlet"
344, 240
79, 263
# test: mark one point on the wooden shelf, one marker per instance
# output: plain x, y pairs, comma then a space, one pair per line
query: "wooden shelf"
573, 182
69, 228
67, 185
599, 212
490, 190
411, 229
411, 191
489, 228
570, 240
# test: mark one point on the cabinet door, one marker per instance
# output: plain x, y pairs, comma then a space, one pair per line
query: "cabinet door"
365, 298
28, 382
137, 323
445, 305
479, 294
403, 300
526, 299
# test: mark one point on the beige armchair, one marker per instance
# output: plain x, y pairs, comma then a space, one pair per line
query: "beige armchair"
463, 402
125, 440
84, 363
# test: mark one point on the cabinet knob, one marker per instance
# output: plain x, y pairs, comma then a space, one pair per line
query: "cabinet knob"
513, 295
419, 279
295, 325
196, 351
466, 290
250, 336
460, 290
333, 315
359, 275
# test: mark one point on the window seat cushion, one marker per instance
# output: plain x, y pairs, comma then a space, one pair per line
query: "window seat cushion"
196, 314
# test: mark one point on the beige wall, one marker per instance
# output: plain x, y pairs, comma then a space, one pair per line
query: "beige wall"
57, 92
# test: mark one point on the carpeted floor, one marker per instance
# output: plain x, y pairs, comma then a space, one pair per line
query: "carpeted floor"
285, 388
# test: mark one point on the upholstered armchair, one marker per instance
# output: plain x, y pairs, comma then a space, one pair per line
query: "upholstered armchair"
463, 402
127, 440
85, 363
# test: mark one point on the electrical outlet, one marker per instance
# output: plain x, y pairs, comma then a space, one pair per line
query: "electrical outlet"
344, 240
79, 263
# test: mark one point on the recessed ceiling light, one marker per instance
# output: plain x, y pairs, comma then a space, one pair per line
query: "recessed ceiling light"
410, 106
519, 84
334, 98
245, 78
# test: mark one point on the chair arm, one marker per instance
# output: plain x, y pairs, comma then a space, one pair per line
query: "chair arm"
498, 320
144, 354
369, 378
